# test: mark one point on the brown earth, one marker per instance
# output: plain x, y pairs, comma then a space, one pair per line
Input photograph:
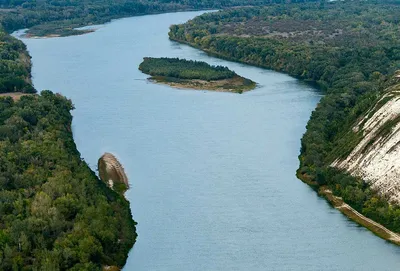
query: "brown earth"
111, 171
236, 84
346, 209
15, 95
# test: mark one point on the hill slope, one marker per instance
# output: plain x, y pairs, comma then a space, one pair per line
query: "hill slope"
376, 158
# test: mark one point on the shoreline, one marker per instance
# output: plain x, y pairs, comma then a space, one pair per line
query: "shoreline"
357, 217
337, 202
233, 85
110, 19
249, 63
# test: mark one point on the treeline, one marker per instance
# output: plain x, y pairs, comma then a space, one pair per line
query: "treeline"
350, 49
184, 69
55, 214
15, 65
361, 197
62, 16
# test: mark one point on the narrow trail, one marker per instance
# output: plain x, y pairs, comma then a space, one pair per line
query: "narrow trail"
375, 227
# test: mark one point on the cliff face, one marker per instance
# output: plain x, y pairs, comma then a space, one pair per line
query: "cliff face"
111, 171
376, 158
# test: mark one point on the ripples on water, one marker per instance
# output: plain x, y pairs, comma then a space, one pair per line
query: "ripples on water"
212, 175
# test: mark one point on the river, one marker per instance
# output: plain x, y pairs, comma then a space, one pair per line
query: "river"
212, 175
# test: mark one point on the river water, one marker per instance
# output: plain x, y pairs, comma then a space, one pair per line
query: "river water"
212, 175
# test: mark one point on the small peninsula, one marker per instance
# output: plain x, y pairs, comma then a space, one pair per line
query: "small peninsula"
182, 73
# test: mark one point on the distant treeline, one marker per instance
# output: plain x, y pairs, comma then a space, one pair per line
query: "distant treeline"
350, 49
55, 214
61, 16
184, 69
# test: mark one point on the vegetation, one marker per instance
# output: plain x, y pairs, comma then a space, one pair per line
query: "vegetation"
184, 69
194, 74
349, 49
62, 16
55, 214
14, 66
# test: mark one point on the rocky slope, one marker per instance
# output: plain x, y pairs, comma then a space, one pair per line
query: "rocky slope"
376, 158
112, 172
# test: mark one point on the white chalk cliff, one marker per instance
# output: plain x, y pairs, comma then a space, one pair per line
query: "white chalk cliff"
376, 158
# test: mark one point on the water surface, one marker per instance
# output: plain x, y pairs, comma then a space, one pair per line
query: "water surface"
212, 175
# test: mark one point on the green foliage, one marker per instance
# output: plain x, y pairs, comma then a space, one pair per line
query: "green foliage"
14, 65
61, 16
184, 69
350, 66
361, 197
55, 214
350, 49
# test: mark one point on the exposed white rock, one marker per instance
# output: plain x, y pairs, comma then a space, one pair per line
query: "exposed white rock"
377, 157
111, 183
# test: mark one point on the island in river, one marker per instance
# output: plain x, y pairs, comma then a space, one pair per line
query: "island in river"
182, 73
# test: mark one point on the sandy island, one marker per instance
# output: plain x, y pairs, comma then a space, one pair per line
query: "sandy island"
236, 84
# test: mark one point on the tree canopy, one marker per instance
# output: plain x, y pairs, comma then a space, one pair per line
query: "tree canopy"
55, 214
184, 69
62, 16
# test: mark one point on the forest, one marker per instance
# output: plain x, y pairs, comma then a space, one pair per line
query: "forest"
350, 50
184, 69
15, 66
61, 17
55, 214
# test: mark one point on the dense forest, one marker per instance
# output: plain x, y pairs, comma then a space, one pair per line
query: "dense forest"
14, 65
184, 69
55, 214
349, 49
60, 17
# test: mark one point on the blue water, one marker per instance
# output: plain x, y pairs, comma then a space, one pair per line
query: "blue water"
212, 175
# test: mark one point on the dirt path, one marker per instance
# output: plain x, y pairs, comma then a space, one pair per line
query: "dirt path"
373, 226
15, 95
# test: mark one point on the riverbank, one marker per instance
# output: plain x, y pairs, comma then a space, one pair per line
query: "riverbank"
183, 73
236, 84
351, 213
346, 97
197, 158
58, 188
